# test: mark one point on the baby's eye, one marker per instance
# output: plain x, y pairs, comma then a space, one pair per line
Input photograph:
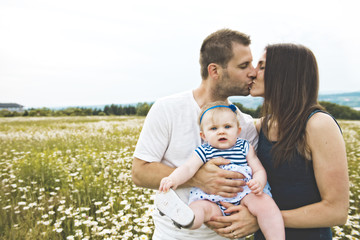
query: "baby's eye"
213, 128
227, 126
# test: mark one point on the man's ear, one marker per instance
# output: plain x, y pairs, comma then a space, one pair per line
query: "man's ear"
214, 70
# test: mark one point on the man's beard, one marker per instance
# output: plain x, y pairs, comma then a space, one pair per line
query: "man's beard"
226, 88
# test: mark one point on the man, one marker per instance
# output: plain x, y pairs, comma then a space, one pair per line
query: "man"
171, 133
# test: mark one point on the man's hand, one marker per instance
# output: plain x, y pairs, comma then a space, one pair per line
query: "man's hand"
240, 223
214, 180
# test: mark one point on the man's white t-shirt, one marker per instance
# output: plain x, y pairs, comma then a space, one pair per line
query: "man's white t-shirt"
170, 135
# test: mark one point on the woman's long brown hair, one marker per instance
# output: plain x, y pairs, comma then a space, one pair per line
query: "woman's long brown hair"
291, 93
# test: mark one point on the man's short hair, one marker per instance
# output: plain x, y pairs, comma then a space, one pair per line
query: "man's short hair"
217, 48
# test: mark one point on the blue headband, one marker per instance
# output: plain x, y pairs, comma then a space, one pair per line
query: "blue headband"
232, 107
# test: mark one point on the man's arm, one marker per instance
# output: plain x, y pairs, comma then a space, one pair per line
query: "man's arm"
214, 180
148, 169
149, 174
210, 178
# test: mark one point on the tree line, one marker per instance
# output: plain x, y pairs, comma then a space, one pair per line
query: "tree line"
141, 109
336, 110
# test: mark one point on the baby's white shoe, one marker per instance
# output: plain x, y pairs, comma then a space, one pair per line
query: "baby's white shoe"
171, 205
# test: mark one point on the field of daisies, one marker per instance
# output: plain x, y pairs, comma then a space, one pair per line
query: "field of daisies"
70, 178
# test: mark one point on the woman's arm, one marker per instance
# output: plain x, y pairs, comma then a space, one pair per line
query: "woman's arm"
330, 166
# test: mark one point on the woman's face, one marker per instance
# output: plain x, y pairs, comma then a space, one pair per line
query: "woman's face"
257, 87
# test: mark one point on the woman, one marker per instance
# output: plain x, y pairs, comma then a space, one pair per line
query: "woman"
300, 146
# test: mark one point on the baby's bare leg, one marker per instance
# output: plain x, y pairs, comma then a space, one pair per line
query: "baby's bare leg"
203, 211
268, 215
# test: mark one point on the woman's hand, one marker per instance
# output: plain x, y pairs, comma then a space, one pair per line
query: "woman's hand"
214, 180
239, 224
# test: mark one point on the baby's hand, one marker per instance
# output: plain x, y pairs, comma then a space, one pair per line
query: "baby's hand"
166, 183
255, 186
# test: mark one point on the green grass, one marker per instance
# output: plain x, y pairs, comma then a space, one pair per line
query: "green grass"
70, 178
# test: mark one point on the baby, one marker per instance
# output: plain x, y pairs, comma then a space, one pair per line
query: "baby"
219, 128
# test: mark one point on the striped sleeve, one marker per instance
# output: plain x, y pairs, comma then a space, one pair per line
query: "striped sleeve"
246, 147
200, 151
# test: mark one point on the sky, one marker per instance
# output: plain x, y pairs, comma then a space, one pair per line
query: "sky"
57, 53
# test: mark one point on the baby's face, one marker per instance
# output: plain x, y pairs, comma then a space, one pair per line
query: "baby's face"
220, 128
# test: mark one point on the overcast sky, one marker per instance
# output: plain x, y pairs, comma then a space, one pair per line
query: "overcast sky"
81, 52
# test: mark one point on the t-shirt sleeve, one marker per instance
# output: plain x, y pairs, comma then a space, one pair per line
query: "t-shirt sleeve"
248, 129
154, 136
253, 137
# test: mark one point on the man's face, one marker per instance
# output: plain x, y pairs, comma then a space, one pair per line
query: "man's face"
236, 79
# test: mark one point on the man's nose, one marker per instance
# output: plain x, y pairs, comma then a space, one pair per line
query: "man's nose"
252, 73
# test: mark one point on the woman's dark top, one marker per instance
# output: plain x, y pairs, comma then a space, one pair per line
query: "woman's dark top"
293, 185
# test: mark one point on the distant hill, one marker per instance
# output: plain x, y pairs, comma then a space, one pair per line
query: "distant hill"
346, 99
248, 101
84, 106
351, 99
